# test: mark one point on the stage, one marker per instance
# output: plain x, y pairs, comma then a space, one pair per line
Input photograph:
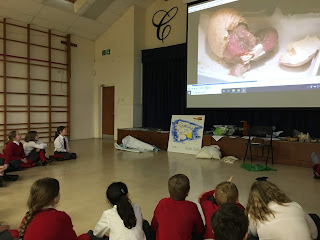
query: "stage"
286, 153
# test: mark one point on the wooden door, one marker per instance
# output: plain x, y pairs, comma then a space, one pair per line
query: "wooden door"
108, 111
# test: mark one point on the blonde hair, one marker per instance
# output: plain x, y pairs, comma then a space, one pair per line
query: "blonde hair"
226, 192
11, 136
261, 193
42, 193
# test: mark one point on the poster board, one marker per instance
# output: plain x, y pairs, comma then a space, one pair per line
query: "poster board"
186, 133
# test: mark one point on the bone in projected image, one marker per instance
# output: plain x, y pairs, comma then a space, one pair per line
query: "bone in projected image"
231, 40
300, 52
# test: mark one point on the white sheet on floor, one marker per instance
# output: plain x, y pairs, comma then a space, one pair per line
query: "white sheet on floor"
119, 147
132, 144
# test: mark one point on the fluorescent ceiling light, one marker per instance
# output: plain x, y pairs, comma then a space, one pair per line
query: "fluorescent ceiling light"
206, 5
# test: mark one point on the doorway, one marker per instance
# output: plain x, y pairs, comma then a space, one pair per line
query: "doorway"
107, 112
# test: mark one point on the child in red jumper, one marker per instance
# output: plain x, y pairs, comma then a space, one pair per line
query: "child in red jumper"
14, 156
175, 218
43, 221
225, 192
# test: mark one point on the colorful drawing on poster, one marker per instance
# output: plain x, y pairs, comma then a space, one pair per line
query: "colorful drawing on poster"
183, 130
186, 134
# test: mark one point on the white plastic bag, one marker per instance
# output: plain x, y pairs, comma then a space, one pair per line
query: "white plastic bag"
210, 152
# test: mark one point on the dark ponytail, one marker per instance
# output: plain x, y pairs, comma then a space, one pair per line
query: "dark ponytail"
117, 195
59, 129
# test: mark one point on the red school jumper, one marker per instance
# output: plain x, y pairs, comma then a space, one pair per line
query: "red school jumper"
14, 152
176, 220
51, 224
208, 209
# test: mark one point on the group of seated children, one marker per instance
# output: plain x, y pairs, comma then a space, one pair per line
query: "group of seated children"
17, 156
269, 214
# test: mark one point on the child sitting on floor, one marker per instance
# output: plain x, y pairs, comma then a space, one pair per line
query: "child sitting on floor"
61, 144
273, 216
124, 220
13, 153
35, 149
230, 223
175, 218
225, 192
7, 234
43, 221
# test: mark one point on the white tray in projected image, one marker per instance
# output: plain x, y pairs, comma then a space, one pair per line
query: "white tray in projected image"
213, 70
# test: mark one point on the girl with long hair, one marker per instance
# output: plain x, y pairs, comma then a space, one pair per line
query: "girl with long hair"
61, 144
124, 220
43, 221
35, 149
273, 215
14, 158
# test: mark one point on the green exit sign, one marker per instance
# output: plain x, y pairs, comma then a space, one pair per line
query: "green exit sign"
106, 52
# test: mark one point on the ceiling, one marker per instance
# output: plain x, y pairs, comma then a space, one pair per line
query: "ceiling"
86, 18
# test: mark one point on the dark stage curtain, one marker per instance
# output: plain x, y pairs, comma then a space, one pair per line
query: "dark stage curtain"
164, 94
164, 85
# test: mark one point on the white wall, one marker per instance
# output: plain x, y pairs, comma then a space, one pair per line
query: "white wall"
116, 69
82, 89
178, 24
139, 30
126, 38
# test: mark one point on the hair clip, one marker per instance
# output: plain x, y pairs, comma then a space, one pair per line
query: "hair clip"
262, 178
122, 191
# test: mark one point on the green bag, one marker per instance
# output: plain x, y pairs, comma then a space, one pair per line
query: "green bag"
220, 131
256, 168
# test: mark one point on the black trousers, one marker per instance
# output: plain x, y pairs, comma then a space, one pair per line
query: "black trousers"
6, 235
150, 235
34, 155
316, 220
14, 165
66, 155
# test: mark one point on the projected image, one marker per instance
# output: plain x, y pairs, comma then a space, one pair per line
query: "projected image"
269, 46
